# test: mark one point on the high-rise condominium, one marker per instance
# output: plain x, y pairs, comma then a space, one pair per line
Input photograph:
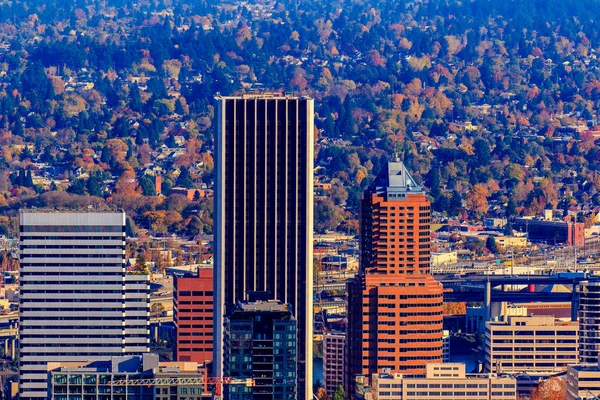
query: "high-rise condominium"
77, 302
395, 308
589, 321
264, 211
260, 345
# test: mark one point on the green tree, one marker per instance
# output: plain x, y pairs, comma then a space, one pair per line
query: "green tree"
135, 99
346, 119
179, 107
94, 184
28, 179
197, 196
166, 185
339, 394
147, 185
185, 179
482, 154
511, 208
157, 87
455, 204
435, 189
78, 187
491, 245
128, 228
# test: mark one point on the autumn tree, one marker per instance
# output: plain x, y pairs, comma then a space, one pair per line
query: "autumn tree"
455, 308
327, 215
157, 308
140, 263
127, 184
553, 388
338, 194
549, 191
477, 199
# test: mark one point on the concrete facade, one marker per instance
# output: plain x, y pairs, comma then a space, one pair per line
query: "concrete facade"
443, 381
534, 344
583, 382
333, 361
77, 302
446, 346
264, 210
121, 378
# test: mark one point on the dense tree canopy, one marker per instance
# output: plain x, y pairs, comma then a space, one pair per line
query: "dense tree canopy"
492, 104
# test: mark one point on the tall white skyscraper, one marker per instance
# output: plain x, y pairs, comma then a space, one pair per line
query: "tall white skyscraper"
77, 303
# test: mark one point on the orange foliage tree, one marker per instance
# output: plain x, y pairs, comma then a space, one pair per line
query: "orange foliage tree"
477, 199
550, 389
455, 308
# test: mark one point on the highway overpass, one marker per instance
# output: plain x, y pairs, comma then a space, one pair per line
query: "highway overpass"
496, 288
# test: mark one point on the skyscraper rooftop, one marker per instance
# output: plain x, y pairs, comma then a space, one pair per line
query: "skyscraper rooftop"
394, 178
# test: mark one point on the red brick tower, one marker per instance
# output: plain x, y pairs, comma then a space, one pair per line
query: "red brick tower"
395, 308
193, 316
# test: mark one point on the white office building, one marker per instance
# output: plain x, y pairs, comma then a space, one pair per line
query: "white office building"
77, 303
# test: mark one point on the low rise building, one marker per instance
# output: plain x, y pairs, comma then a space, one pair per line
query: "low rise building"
531, 344
511, 241
448, 257
475, 318
583, 382
552, 232
494, 222
443, 380
126, 378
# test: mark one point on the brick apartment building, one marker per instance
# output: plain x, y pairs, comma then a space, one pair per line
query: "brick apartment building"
193, 316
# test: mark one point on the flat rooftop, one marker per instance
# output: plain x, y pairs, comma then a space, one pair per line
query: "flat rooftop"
586, 368
270, 305
262, 96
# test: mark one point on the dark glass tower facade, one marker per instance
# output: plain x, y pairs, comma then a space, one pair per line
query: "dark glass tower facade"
260, 345
264, 211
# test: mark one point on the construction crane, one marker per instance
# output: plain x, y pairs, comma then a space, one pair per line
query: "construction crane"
216, 381
159, 382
